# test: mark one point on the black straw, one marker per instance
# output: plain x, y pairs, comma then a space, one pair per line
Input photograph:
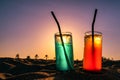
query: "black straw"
61, 38
94, 18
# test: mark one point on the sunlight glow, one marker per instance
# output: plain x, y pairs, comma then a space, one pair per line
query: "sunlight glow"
97, 40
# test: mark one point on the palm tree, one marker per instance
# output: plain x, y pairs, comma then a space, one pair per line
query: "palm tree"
17, 56
28, 57
46, 56
36, 56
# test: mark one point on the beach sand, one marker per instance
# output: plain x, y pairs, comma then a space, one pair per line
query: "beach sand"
32, 69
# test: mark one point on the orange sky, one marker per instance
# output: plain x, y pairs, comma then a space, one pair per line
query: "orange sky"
28, 28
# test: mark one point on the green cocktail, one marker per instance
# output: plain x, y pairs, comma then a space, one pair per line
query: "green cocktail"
64, 61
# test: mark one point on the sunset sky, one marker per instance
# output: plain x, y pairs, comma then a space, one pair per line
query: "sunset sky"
27, 26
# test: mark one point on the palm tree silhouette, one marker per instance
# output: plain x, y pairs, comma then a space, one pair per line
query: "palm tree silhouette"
36, 56
17, 56
28, 57
46, 56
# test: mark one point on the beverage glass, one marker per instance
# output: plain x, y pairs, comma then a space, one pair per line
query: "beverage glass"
64, 61
92, 51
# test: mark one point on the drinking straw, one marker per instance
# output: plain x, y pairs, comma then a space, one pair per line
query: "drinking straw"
61, 38
94, 18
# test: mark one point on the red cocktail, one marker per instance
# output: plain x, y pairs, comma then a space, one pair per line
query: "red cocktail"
92, 51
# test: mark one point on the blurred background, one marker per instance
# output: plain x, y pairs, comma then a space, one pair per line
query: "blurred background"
27, 26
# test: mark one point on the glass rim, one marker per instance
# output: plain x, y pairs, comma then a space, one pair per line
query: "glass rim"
63, 33
95, 32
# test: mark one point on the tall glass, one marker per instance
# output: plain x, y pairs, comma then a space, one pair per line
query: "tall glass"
92, 51
64, 62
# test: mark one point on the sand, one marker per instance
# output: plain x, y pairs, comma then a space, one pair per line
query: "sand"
32, 69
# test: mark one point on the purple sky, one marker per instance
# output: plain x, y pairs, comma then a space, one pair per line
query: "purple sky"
27, 27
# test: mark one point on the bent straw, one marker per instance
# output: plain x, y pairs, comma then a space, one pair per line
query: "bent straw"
61, 38
94, 18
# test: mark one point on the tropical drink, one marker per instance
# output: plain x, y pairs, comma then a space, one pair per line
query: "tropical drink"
64, 61
92, 51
